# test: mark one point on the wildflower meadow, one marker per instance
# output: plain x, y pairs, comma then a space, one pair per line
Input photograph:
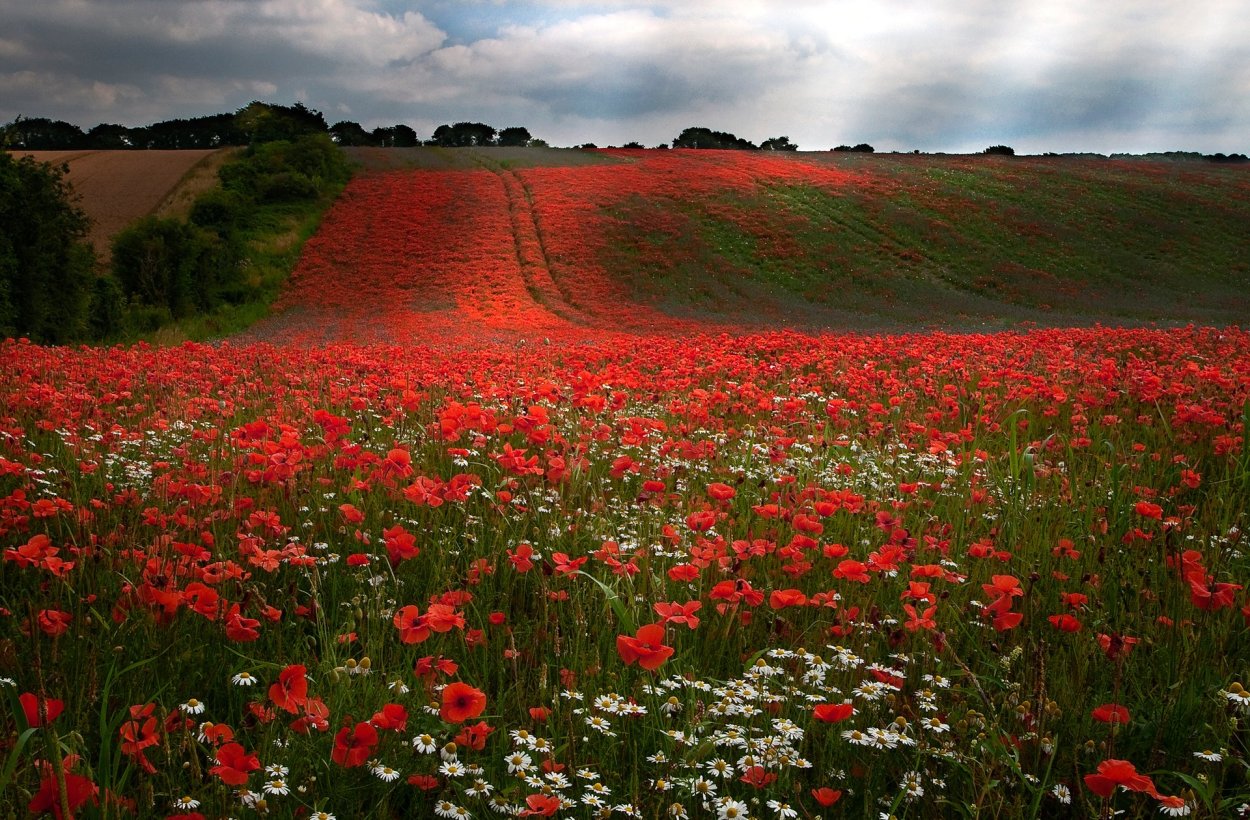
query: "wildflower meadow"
463, 534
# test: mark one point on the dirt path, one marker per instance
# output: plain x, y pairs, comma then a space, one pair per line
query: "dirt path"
531, 250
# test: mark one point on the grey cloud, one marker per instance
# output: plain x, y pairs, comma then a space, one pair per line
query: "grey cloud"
1056, 75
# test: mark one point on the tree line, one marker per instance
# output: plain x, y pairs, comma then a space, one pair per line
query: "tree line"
256, 122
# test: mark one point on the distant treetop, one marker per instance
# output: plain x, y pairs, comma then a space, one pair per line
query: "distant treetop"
778, 144
707, 138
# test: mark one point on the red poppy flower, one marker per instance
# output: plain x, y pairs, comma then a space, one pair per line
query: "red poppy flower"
683, 573
522, 559
1002, 589
917, 621
78, 791
234, 764
353, 746
701, 520
826, 796
851, 570
54, 622
474, 736
758, 776
833, 712
411, 624
1065, 623
291, 690
1116, 646
565, 565
140, 731
40, 711
540, 805
239, 628
461, 702
393, 716
675, 613
646, 647
782, 598
424, 782
217, 733
316, 716
1112, 773
1008, 620
1110, 713
443, 617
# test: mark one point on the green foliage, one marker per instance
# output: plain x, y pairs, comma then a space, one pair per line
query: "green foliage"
465, 135
517, 136
778, 144
395, 136
42, 134
108, 308
707, 138
266, 122
950, 242
286, 171
349, 133
1000, 150
46, 268
173, 264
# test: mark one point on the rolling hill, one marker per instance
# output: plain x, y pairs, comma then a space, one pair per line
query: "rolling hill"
535, 242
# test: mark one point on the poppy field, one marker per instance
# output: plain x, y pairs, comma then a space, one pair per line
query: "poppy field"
472, 528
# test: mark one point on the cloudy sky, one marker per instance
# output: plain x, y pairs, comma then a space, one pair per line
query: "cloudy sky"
1039, 75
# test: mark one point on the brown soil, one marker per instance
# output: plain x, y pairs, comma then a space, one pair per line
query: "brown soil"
118, 187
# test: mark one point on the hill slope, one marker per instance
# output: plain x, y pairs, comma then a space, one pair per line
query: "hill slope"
118, 187
542, 242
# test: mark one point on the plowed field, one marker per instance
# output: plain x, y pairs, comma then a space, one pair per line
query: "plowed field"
118, 187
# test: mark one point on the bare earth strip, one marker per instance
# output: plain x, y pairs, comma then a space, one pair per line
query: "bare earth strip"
531, 252
118, 187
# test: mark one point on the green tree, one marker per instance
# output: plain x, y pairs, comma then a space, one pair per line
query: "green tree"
707, 138
172, 265
346, 132
46, 267
43, 134
464, 135
516, 135
110, 137
778, 144
396, 136
265, 122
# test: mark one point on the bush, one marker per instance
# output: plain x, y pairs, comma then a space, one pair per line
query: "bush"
1000, 150
108, 308
46, 267
286, 171
174, 265
219, 211
286, 186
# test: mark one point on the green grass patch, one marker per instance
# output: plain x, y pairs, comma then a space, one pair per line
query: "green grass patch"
1051, 241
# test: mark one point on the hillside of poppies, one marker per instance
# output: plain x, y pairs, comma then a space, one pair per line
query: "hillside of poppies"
522, 503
